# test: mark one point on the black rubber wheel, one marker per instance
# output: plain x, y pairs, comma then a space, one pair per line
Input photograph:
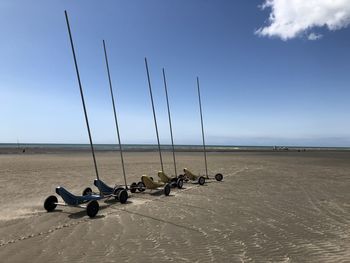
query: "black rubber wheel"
174, 179
180, 183
167, 189
219, 177
133, 187
122, 196
201, 180
183, 177
50, 203
141, 186
116, 192
92, 208
87, 191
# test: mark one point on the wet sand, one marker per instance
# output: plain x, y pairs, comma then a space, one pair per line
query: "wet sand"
277, 207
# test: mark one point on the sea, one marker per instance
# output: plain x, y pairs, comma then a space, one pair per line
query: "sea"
154, 147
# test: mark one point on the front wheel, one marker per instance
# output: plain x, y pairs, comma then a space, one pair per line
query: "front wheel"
167, 189
180, 183
92, 208
141, 186
219, 177
50, 203
87, 191
133, 187
201, 180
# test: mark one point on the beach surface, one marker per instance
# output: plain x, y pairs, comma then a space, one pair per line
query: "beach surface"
270, 207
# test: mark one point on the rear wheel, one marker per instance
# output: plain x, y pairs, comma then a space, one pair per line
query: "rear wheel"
50, 203
141, 186
201, 180
180, 183
174, 179
122, 196
182, 176
92, 208
116, 192
133, 187
87, 191
219, 177
167, 189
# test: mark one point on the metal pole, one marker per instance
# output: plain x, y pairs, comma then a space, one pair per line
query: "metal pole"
169, 117
115, 113
154, 114
200, 110
82, 96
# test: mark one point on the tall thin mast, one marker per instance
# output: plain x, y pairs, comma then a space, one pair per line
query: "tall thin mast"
115, 113
200, 110
154, 114
169, 117
82, 96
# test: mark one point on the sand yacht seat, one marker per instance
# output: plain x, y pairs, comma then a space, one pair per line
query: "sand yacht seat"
149, 183
163, 177
105, 189
190, 175
72, 199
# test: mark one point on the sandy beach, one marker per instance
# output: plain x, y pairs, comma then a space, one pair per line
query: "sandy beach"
271, 207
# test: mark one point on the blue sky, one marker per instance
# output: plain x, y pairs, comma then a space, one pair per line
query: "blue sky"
256, 89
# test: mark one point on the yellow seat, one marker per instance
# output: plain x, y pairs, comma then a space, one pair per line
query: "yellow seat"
149, 183
190, 175
163, 177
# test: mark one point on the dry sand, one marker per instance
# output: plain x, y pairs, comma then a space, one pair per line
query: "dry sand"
278, 207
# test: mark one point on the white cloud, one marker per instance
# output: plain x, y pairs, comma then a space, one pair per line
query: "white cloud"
291, 18
314, 36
